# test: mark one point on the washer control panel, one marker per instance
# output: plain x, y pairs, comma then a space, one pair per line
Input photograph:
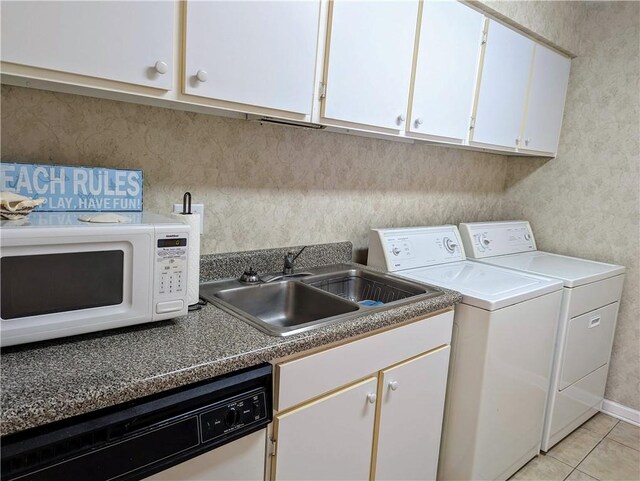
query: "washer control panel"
407, 248
171, 268
489, 239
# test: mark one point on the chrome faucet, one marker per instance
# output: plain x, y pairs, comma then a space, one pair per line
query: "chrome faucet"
289, 260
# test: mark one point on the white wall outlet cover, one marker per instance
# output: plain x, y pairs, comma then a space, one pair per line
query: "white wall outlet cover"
196, 209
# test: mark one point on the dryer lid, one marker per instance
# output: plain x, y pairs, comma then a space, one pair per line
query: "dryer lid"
572, 271
484, 286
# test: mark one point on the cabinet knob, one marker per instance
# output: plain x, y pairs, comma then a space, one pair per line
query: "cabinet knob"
371, 397
393, 385
161, 67
202, 75
526, 142
517, 140
401, 118
418, 122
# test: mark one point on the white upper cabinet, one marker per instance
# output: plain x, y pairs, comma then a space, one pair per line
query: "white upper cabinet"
129, 42
503, 88
260, 53
446, 69
369, 60
545, 105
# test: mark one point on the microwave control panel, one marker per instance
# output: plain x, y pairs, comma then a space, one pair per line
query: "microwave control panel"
171, 269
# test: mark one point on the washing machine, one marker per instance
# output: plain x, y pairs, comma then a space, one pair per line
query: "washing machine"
591, 296
502, 347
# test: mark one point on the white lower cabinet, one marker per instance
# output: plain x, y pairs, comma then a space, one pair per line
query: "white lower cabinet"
412, 398
384, 425
330, 438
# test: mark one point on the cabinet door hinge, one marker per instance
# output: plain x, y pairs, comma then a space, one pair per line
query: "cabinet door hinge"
473, 123
485, 34
323, 90
273, 444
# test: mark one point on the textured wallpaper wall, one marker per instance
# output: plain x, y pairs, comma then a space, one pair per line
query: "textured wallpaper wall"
262, 186
556, 22
586, 202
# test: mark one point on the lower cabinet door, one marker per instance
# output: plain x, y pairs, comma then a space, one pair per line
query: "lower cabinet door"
328, 439
412, 397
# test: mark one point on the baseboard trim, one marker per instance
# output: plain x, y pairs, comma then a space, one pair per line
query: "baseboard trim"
621, 412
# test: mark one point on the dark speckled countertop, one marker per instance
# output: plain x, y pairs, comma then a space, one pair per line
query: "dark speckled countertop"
49, 381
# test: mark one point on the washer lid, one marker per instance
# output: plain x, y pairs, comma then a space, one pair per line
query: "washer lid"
572, 271
484, 286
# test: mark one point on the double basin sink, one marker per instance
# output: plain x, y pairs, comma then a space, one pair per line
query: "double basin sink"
291, 304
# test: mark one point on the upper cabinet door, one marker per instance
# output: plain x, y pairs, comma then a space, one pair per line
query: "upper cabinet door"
260, 53
124, 41
369, 59
445, 79
543, 120
503, 87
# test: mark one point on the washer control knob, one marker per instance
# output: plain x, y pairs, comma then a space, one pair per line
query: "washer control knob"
449, 245
486, 241
527, 236
395, 251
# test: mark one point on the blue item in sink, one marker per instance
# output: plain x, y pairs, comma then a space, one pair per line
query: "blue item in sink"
370, 303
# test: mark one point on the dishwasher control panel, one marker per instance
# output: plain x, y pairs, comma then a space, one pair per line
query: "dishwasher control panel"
239, 413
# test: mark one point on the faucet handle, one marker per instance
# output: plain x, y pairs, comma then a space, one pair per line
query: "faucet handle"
289, 259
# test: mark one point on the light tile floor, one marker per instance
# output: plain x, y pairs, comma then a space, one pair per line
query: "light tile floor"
603, 449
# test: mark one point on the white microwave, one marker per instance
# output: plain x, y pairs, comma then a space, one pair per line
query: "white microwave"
60, 276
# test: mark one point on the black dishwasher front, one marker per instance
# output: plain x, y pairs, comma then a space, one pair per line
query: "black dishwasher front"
137, 439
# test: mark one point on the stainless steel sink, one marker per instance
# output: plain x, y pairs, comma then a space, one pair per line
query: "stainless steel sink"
326, 295
362, 286
285, 305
